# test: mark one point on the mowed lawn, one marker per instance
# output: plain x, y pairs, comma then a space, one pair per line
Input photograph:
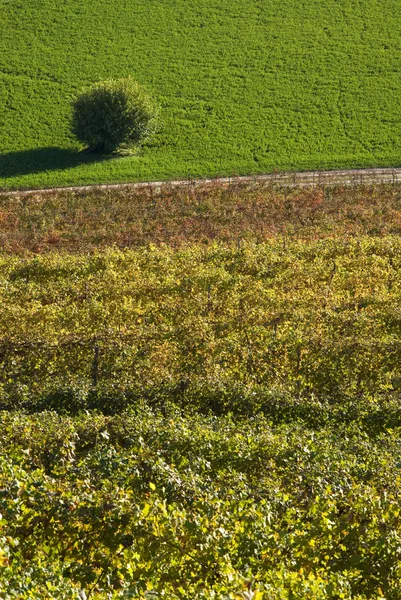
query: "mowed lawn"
246, 86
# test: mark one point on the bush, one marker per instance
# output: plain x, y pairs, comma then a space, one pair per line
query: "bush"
114, 114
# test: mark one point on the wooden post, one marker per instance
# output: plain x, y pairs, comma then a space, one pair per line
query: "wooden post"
209, 298
95, 365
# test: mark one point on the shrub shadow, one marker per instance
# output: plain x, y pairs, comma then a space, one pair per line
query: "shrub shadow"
39, 160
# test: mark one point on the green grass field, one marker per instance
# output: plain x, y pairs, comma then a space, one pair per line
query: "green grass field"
246, 87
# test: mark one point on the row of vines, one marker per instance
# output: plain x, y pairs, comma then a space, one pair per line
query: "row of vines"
203, 325
147, 505
90, 220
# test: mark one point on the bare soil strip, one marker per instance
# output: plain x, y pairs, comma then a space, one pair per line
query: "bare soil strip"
281, 179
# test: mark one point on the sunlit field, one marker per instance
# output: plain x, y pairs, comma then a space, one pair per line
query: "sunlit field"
245, 86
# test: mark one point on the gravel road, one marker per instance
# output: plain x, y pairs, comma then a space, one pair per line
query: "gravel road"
281, 179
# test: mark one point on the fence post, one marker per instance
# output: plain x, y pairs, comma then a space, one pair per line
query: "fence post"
298, 367
95, 365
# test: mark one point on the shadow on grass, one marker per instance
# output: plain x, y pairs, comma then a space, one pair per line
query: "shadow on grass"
39, 160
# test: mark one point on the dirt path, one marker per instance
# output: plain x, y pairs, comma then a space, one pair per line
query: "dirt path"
285, 179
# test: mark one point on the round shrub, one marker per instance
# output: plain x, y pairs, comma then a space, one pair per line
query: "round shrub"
114, 114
